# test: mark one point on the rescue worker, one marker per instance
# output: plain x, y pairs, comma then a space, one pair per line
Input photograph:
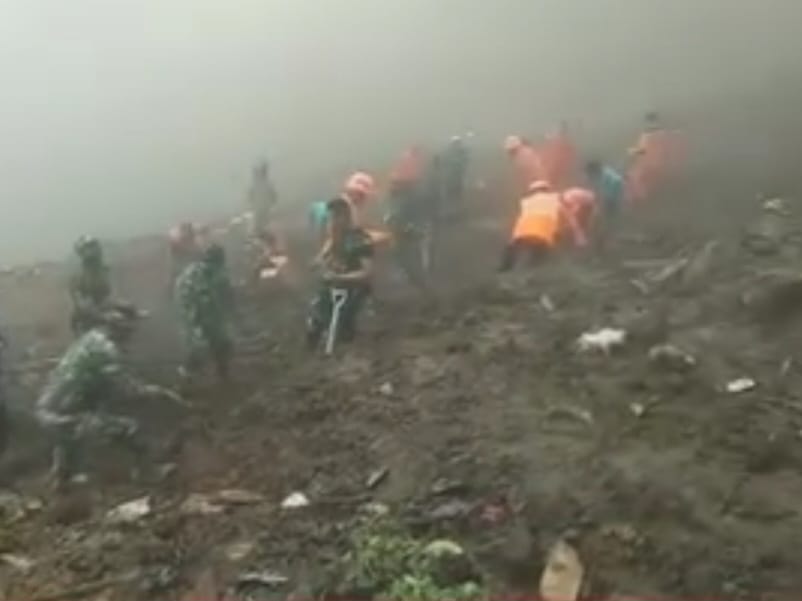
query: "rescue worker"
542, 219
412, 211
5, 427
609, 188
358, 189
451, 167
347, 265
262, 198
89, 375
90, 288
649, 159
527, 161
185, 247
581, 203
559, 159
206, 302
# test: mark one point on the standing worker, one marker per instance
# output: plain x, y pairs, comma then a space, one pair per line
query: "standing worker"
262, 198
90, 287
559, 159
649, 160
526, 160
347, 263
542, 218
609, 188
206, 301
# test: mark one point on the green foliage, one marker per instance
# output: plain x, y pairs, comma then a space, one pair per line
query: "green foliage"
388, 563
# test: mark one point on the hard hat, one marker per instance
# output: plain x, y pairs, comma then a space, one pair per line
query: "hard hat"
539, 186
360, 183
513, 143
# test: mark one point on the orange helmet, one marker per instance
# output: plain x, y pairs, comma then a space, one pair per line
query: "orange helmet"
539, 186
360, 185
513, 143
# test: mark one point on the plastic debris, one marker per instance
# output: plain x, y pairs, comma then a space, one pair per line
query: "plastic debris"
603, 340
562, 577
377, 477
740, 385
295, 501
18, 562
130, 512
443, 547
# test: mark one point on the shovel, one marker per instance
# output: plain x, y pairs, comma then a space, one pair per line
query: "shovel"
338, 298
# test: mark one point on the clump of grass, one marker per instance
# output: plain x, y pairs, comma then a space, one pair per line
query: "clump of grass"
388, 563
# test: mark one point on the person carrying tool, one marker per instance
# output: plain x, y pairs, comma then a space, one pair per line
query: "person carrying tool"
526, 160
649, 160
206, 301
90, 287
543, 217
91, 373
347, 264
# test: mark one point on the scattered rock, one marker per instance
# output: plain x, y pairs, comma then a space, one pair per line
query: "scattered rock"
562, 577
387, 389
197, 504
239, 550
14, 507
443, 547
295, 501
130, 512
451, 510
574, 413
236, 496
604, 340
18, 562
377, 477
637, 409
264, 578
740, 385
376, 509
671, 357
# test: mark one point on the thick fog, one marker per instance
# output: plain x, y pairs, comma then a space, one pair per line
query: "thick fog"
120, 117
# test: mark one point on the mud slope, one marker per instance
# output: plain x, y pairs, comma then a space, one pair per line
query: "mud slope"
667, 483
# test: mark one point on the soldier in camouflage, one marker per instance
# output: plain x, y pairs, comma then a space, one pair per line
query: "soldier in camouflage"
206, 301
90, 288
91, 372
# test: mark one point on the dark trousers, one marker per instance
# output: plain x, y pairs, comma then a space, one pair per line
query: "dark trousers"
535, 250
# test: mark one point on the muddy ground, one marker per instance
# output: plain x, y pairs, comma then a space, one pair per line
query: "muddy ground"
493, 429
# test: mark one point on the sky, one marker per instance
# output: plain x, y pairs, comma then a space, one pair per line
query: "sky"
122, 117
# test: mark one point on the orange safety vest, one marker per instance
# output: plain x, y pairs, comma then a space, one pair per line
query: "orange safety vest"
539, 218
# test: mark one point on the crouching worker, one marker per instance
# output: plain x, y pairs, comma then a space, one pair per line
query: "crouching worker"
206, 301
90, 374
346, 261
543, 216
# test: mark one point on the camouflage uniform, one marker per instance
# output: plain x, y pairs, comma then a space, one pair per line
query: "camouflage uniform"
90, 288
70, 407
205, 299
345, 257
